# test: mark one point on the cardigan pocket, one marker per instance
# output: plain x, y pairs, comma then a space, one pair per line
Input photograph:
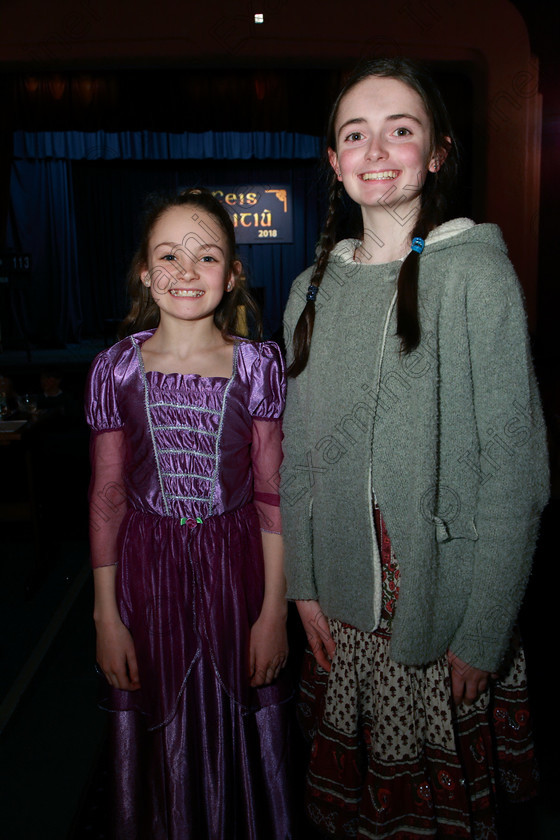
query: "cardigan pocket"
446, 531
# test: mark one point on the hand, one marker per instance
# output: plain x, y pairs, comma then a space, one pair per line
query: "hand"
318, 632
268, 648
116, 655
467, 682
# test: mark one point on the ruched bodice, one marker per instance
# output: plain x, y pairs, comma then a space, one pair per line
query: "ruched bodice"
188, 437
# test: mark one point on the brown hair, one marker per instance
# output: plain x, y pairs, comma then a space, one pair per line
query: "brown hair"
144, 312
436, 189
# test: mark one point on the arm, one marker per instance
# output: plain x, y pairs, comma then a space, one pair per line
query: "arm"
513, 462
268, 646
295, 489
115, 648
317, 631
268, 650
467, 683
296, 497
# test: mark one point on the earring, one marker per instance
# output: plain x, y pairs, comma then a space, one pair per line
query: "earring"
434, 166
147, 282
229, 286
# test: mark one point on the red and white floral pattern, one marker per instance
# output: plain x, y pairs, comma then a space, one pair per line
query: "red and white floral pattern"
391, 755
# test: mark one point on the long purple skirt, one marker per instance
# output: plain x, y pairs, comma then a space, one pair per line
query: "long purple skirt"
198, 753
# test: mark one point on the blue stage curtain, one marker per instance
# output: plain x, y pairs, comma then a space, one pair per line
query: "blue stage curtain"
150, 145
75, 199
41, 222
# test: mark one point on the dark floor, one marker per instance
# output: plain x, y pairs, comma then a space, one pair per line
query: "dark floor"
52, 781
52, 731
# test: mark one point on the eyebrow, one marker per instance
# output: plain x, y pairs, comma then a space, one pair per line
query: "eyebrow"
404, 117
205, 246
352, 121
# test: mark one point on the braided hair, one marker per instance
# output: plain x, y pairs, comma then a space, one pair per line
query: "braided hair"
437, 187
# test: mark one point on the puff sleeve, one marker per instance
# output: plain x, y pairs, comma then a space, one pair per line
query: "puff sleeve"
101, 406
266, 405
107, 496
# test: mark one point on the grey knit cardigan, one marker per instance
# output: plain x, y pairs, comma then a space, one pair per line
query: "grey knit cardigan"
450, 438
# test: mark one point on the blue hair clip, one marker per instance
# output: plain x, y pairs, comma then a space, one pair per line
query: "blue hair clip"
417, 244
312, 293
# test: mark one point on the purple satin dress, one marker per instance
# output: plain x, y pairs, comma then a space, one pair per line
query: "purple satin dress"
185, 475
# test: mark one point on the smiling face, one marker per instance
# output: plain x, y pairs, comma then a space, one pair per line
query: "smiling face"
384, 146
188, 267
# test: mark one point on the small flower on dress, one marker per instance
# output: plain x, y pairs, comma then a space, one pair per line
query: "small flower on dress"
522, 716
477, 750
445, 780
351, 827
384, 796
484, 832
509, 780
424, 792
502, 717
381, 798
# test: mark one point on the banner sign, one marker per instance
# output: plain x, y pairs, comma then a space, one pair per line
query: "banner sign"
260, 214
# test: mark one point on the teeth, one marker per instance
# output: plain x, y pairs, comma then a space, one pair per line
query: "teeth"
186, 293
380, 176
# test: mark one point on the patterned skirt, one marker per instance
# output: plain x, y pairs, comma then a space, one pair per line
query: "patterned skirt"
391, 755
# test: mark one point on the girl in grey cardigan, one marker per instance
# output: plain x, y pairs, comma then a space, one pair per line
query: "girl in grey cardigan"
415, 473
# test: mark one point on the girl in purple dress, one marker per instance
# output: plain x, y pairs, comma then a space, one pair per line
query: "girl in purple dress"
185, 540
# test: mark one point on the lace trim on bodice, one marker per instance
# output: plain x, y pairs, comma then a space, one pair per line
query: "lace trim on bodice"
204, 442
